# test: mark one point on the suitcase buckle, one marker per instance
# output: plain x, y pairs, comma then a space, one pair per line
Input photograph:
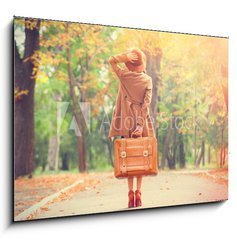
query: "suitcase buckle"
123, 154
145, 153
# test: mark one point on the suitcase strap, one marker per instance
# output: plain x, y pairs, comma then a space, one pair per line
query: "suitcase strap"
145, 154
123, 156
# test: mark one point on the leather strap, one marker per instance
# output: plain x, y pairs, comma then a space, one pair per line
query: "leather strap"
123, 159
149, 158
145, 153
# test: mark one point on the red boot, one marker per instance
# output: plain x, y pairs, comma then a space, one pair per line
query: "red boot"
138, 200
131, 199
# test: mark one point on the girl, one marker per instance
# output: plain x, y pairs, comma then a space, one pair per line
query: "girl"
131, 114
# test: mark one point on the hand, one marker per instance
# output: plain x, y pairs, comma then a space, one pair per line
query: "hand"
111, 139
138, 131
132, 57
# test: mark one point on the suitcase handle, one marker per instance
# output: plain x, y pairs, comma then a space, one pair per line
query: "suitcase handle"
133, 134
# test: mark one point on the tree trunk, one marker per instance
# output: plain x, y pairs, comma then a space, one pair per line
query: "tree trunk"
81, 144
181, 152
209, 154
201, 156
224, 156
53, 154
224, 72
195, 129
217, 159
153, 70
222, 147
110, 150
24, 151
54, 145
78, 116
65, 162
165, 151
172, 156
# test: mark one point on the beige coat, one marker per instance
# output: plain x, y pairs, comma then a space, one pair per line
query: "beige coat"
132, 104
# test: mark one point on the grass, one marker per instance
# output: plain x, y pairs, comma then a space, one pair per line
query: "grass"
40, 172
103, 168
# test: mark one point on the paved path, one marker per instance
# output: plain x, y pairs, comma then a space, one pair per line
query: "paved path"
168, 188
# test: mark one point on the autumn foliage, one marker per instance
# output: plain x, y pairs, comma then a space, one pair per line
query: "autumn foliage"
189, 105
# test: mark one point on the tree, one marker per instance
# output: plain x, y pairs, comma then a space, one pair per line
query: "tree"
74, 69
78, 54
181, 151
25, 74
77, 113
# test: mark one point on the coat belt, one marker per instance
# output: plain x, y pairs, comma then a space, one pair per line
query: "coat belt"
132, 101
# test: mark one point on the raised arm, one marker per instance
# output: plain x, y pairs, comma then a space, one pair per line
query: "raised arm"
114, 60
121, 58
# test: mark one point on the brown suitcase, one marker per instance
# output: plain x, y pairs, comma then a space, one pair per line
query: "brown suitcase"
135, 156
